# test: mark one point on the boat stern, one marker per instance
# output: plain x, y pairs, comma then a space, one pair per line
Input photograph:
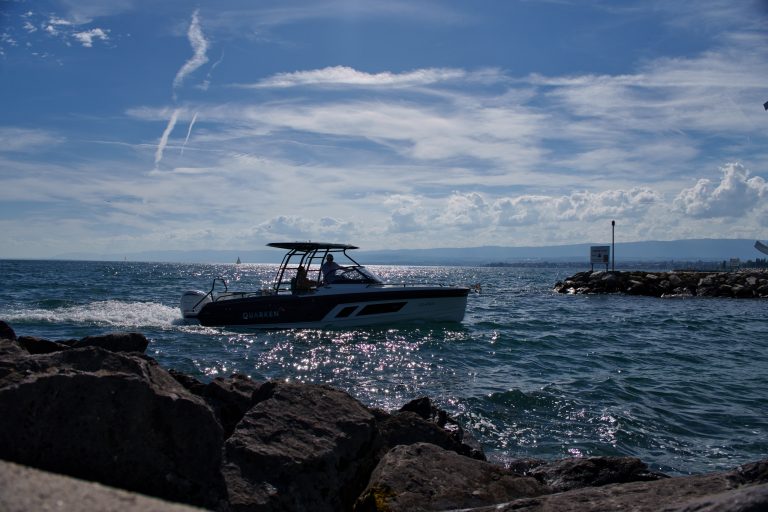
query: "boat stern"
192, 302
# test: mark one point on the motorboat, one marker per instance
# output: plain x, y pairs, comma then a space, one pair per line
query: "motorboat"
319, 285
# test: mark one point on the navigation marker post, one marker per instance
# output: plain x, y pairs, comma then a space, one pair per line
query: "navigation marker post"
613, 247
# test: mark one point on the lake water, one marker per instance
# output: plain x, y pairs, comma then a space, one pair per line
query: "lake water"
678, 382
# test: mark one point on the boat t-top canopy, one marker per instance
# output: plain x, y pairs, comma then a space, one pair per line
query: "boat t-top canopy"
308, 258
311, 246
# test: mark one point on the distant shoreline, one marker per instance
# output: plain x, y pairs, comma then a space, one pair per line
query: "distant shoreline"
692, 250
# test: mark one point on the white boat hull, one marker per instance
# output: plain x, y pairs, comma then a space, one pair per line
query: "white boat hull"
329, 307
415, 311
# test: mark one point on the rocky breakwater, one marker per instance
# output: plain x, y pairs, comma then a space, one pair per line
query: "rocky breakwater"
99, 409
742, 284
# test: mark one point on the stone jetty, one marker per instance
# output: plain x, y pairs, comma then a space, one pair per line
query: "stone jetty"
96, 424
741, 284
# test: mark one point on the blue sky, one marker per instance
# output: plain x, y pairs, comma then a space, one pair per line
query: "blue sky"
135, 125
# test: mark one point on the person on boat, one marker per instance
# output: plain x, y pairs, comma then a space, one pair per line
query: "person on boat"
329, 269
303, 283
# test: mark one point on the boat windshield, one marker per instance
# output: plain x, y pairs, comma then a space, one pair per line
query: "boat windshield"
357, 274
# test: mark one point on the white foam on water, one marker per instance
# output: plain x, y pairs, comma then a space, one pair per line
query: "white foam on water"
109, 312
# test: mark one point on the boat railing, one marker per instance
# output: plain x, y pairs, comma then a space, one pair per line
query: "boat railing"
210, 292
405, 285
226, 294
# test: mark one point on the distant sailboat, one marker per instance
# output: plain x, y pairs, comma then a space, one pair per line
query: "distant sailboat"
238, 261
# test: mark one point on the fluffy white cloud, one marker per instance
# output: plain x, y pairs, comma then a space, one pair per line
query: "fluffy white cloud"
293, 227
38, 29
736, 194
608, 203
344, 75
86, 37
466, 211
475, 211
407, 214
55, 24
523, 210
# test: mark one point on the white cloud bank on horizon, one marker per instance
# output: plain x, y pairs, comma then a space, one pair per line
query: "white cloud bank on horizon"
640, 209
736, 194
157, 205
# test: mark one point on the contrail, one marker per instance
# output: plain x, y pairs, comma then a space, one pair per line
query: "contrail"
207, 82
189, 132
199, 47
164, 138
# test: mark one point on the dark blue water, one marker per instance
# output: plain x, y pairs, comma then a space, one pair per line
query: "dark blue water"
679, 382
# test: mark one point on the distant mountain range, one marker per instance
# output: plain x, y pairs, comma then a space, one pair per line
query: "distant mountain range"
707, 250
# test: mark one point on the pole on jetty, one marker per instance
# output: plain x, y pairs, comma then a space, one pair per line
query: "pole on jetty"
613, 246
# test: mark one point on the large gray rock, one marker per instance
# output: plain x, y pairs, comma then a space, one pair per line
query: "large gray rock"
113, 418
752, 473
6, 331
230, 397
424, 476
9, 351
402, 429
407, 427
35, 345
567, 474
25, 489
746, 499
116, 342
742, 490
300, 448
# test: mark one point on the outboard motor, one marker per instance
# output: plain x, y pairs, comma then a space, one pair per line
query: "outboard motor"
192, 302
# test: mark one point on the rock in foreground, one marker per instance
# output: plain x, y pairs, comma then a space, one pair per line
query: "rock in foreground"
300, 445
424, 476
742, 490
24, 489
113, 418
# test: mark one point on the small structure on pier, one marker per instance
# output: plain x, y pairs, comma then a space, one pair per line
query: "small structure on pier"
600, 254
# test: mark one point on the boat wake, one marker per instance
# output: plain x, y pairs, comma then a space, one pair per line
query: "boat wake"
112, 313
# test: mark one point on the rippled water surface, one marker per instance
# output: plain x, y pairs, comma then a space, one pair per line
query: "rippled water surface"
678, 382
